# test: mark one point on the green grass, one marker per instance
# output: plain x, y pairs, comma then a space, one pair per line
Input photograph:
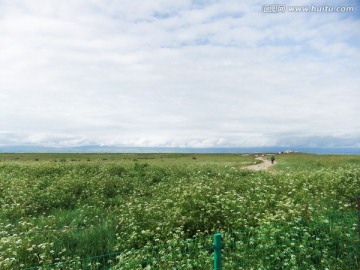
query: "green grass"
74, 208
313, 162
158, 159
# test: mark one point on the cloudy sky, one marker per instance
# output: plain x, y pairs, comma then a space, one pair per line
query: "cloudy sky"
178, 73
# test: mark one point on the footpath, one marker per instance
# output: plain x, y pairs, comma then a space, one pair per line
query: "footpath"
263, 166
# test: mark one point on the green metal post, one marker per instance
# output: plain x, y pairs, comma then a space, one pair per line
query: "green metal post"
358, 209
217, 251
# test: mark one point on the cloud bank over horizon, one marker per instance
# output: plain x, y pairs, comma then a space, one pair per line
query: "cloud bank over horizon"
178, 74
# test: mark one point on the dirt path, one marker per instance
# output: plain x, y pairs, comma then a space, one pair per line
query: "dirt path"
264, 165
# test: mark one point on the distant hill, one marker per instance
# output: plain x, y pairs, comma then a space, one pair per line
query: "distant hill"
120, 149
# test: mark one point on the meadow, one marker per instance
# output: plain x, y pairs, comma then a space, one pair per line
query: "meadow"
65, 207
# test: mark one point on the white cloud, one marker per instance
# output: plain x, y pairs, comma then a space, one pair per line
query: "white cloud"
153, 73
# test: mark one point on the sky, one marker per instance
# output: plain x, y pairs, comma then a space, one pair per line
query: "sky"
178, 74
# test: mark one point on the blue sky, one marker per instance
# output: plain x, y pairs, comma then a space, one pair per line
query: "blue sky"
178, 74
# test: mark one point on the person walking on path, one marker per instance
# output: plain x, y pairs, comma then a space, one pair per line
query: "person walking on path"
272, 159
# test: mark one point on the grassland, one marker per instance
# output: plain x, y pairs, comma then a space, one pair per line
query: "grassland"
62, 207
302, 161
163, 159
